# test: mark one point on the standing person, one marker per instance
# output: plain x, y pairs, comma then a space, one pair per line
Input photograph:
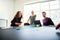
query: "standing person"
47, 21
32, 18
17, 19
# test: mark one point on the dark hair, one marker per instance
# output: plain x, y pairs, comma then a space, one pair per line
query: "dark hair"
17, 15
43, 12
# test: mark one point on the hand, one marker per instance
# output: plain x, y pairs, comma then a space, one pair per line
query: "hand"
18, 23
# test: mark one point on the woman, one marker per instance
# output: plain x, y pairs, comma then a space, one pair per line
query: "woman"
32, 18
17, 19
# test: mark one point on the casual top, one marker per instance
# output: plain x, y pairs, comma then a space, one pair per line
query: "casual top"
32, 19
18, 20
47, 21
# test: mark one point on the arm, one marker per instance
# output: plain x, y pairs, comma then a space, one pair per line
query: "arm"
51, 22
13, 21
28, 20
18, 23
35, 16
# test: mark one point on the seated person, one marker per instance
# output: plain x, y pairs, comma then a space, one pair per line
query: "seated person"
58, 26
17, 19
46, 21
32, 18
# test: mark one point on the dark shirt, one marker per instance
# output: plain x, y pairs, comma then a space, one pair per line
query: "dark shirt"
47, 21
18, 20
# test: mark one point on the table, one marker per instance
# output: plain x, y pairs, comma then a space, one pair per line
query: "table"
30, 33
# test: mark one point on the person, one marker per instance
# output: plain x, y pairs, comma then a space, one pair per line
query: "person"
58, 26
47, 21
17, 19
32, 18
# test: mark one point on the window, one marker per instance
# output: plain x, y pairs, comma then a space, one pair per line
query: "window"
52, 8
54, 5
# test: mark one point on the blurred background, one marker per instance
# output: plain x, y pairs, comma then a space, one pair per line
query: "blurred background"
8, 9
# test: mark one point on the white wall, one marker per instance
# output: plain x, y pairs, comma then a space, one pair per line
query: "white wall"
19, 5
6, 10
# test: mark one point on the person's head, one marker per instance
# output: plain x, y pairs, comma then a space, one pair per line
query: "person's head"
44, 14
18, 14
32, 12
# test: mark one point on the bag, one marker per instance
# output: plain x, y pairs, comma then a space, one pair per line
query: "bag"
26, 24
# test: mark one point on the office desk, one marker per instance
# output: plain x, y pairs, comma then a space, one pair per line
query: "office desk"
30, 33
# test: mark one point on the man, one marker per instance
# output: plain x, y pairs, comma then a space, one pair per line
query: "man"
46, 21
32, 18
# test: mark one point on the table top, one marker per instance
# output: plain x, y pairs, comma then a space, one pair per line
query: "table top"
31, 33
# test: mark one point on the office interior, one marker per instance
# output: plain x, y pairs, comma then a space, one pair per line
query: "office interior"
8, 9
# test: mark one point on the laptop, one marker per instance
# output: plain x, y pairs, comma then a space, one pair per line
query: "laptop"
37, 23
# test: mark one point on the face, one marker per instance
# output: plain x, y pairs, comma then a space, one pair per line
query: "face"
44, 14
32, 12
20, 13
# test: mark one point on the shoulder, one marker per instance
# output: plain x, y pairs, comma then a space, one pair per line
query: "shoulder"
48, 17
13, 18
35, 15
